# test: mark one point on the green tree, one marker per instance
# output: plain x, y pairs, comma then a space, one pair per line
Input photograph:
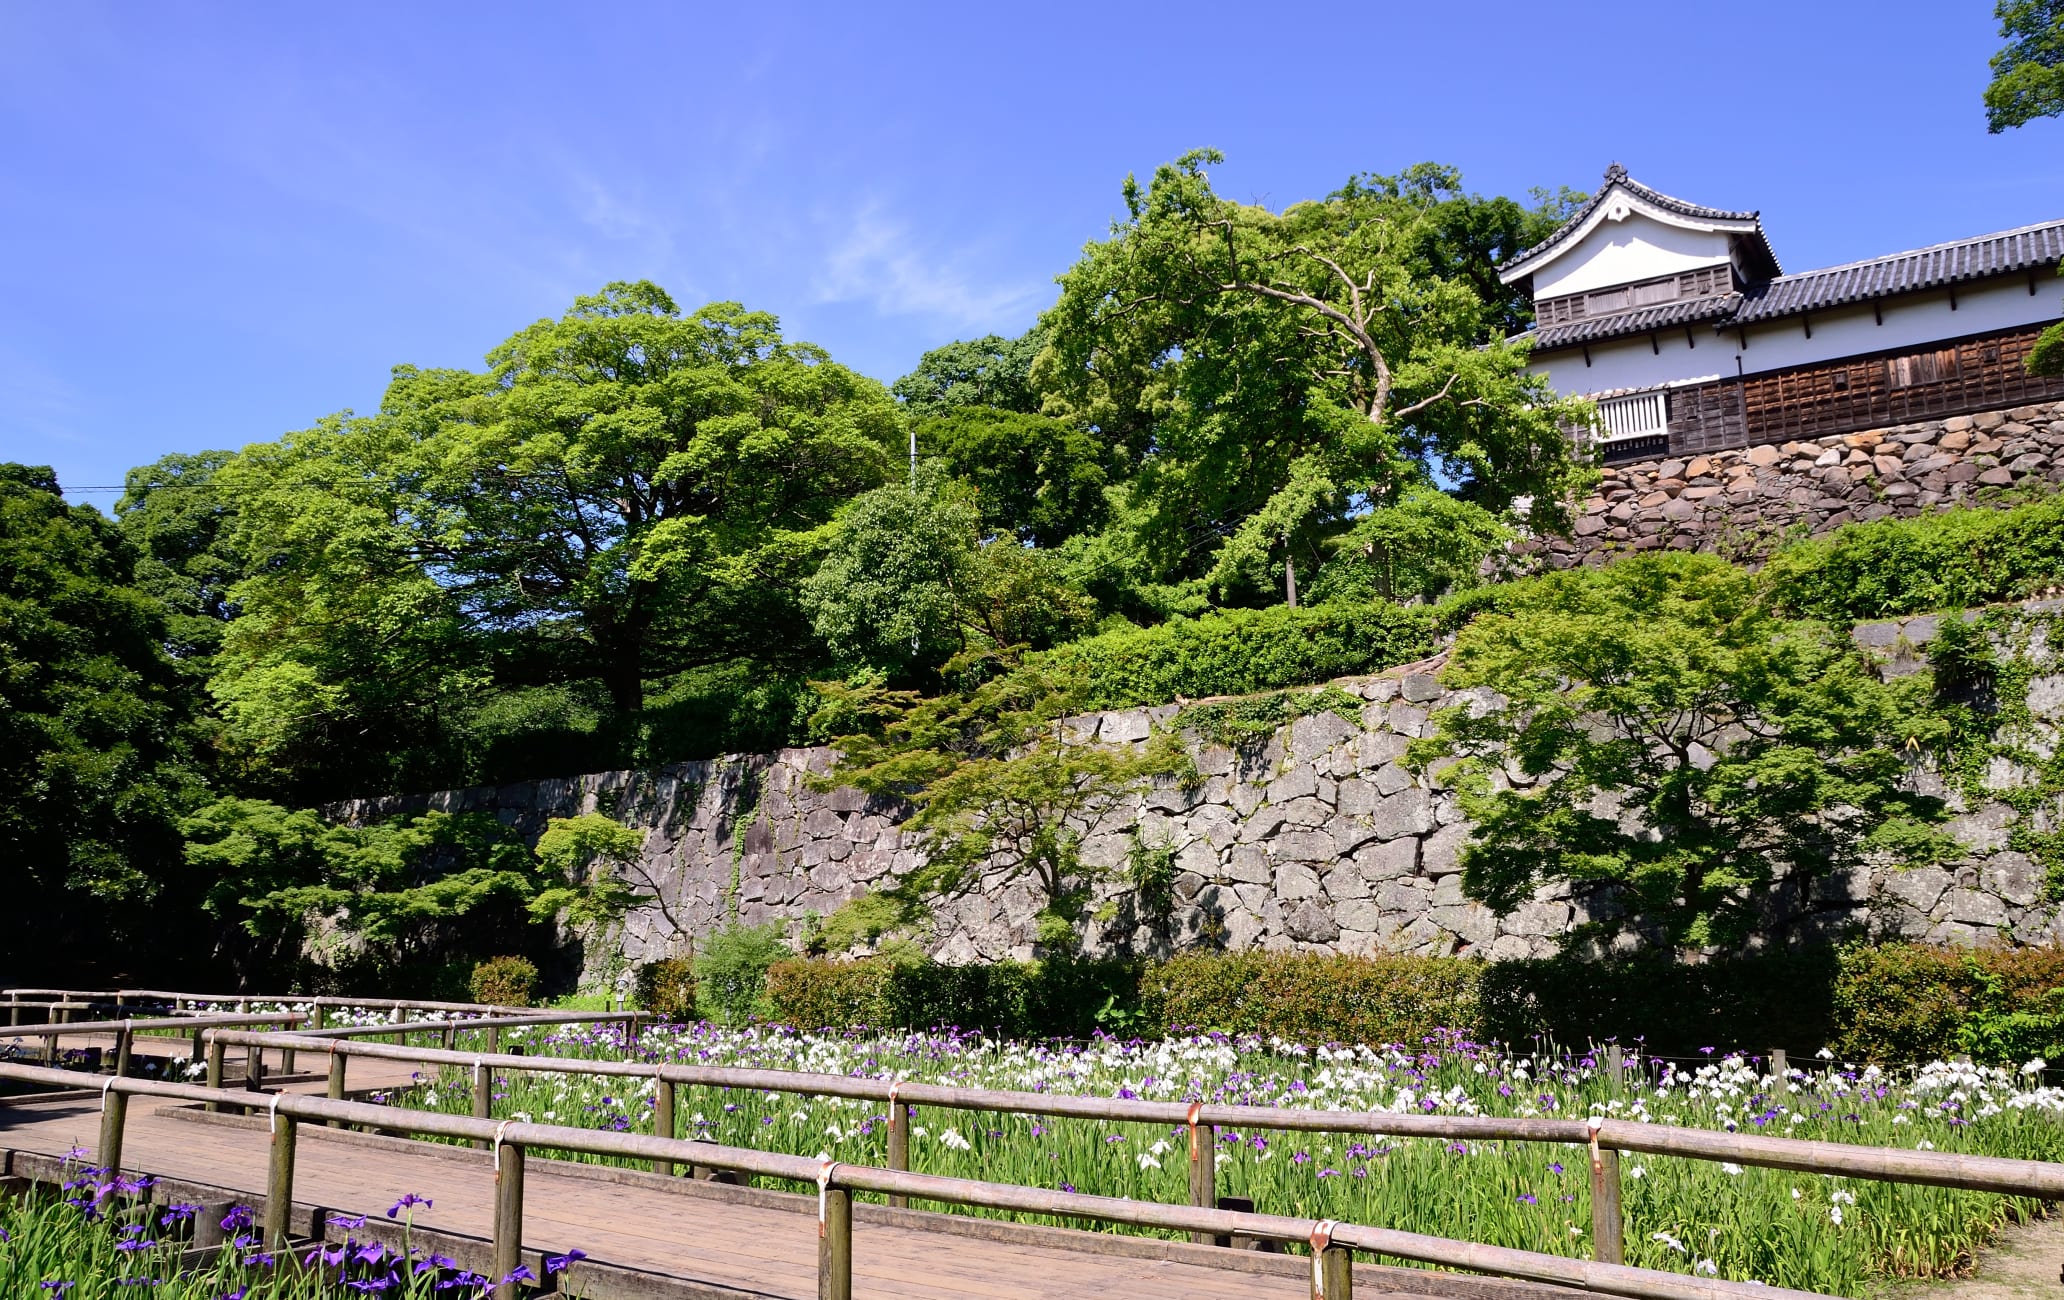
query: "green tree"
182, 526
991, 371
1040, 480
2028, 72
349, 669
1657, 730
909, 582
96, 736
627, 492
1277, 374
1421, 548
1003, 783
415, 897
593, 854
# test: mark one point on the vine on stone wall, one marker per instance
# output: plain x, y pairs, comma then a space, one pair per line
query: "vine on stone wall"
1253, 720
1985, 666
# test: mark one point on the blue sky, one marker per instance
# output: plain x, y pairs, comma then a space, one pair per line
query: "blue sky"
218, 223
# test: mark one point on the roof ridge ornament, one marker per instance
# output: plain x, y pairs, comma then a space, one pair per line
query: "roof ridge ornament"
1615, 173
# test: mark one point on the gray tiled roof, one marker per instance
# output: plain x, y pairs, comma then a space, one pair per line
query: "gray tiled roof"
1663, 315
1617, 175
2003, 253
1922, 268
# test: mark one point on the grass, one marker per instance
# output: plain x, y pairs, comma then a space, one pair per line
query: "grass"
1834, 1235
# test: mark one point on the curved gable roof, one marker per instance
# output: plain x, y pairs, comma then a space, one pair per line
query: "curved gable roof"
1758, 262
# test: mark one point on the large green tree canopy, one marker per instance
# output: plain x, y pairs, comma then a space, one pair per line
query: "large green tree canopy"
96, 735
1273, 375
2028, 72
621, 493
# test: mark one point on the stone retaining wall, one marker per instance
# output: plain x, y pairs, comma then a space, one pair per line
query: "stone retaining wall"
1739, 503
1318, 839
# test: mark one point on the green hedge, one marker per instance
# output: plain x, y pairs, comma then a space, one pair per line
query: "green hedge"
1667, 1007
1050, 999
1906, 1002
1953, 559
1313, 997
1890, 1003
1241, 651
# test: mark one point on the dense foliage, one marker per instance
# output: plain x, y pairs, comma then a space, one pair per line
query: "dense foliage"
1658, 736
98, 733
1246, 450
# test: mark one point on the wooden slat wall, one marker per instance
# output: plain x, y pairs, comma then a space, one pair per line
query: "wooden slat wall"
1975, 374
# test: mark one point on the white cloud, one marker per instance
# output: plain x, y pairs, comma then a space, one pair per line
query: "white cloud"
879, 261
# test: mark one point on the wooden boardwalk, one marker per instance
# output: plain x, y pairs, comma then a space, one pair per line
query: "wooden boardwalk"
730, 1241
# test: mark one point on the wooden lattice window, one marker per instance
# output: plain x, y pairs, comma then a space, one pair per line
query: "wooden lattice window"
1920, 368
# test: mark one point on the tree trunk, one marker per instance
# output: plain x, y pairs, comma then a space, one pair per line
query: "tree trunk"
1290, 579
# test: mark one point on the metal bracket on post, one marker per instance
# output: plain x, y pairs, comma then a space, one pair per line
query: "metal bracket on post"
1332, 1268
1608, 1242
899, 1140
834, 1235
1203, 1167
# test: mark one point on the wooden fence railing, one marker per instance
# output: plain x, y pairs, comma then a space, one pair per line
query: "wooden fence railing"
79, 999
1603, 1138
125, 1031
1332, 1244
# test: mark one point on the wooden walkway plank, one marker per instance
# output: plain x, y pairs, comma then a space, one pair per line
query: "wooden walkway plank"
752, 1249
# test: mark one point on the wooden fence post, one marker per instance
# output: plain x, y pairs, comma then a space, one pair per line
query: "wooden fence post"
13, 1010
114, 1109
1203, 1169
899, 1142
200, 1050
336, 1088
663, 1121
508, 1218
1332, 1267
494, 1039
319, 1020
279, 1183
835, 1244
483, 1099
1616, 1067
125, 1039
1779, 1068
215, 1050
1608, 1243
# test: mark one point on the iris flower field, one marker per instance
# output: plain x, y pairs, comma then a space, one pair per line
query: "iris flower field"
1818, 1233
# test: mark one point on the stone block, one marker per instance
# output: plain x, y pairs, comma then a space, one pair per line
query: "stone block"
1409, 812
1296, 783
1973, 907
1420, 688
1918, 888
1472, 923
1405, 897
1314, 735
1310, 923
1538, 919
1305, 846
1441, 853
1249, 865
2014, 878
1395, 860
1126, 726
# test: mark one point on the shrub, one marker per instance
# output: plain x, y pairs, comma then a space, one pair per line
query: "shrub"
1038, 999
1314, 997
1663, 1005
1243, 651
731, 971
505, 981
825, 993
667, 988
1954, 559
1909, 1002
